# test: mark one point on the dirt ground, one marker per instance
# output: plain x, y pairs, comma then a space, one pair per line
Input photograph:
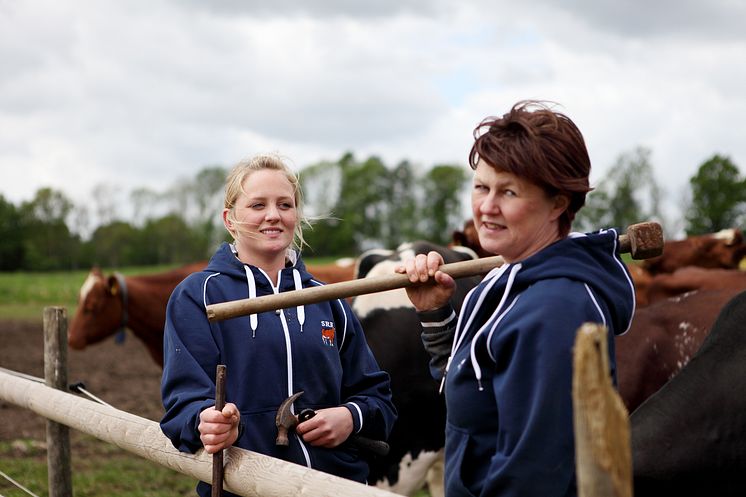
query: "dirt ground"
122, 375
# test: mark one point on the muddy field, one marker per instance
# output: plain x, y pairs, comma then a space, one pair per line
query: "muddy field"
122, 375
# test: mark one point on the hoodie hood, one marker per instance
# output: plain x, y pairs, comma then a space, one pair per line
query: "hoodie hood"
591, 259
293, 276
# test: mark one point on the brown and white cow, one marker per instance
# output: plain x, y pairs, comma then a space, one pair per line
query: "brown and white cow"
110, 303
662, 340
690, 278
688, 438
723, 249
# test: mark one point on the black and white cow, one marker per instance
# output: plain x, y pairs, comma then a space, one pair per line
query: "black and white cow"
689, 438
393, 333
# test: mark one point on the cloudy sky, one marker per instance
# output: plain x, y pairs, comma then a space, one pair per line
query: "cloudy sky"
141, 93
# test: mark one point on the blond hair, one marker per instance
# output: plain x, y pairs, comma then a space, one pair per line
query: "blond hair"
234, 188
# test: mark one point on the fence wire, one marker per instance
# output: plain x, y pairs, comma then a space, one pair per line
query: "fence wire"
11, 480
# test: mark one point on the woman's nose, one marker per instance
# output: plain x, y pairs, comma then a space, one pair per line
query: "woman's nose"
489, 204
272, 212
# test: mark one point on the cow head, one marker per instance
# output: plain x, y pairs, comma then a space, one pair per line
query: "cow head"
99, 312
468, 237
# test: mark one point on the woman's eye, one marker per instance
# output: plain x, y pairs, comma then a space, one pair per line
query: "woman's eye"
257, 206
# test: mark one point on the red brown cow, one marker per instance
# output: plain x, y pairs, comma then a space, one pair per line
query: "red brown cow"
690, 278
663, 338
107, 305
723, 249
641, 278
688, 439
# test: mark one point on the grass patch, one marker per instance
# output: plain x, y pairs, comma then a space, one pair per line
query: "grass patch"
24, 295
98, 468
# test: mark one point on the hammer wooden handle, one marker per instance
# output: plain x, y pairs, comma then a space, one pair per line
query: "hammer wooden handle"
643, 240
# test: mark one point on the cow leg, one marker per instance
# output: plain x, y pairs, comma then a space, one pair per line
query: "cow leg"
435, 482
413, 473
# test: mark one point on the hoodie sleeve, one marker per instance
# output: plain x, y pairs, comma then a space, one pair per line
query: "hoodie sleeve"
366, 390
190, 359
438, 328
532, 357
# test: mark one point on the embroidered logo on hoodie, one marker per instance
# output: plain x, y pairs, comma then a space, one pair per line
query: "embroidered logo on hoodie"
327, 333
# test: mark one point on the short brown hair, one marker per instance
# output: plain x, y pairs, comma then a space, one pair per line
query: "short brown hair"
539, 145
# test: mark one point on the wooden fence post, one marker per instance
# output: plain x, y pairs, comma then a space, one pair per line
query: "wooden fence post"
602, 437
55, 376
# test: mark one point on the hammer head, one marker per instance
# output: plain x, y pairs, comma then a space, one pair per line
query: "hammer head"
285, 420
646, 240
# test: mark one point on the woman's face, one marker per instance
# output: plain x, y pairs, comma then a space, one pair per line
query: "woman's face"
266, 217
514, 217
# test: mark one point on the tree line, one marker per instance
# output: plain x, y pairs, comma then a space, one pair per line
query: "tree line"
353, 205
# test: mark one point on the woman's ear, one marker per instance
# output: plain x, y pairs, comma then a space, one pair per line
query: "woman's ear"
226, 221
561, 203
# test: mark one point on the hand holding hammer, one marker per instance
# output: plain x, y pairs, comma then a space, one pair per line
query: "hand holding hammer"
285, 421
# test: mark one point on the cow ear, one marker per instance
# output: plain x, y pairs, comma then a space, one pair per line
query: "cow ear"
113, 285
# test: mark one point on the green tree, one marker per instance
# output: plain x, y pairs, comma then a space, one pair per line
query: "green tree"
114, 245
401, 215
442, 208
329, 234
47, 241
11, 243
208, 194
169, 240
718, 197
627, 195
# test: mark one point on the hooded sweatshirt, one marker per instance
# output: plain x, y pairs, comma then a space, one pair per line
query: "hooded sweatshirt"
508, 379
319, 349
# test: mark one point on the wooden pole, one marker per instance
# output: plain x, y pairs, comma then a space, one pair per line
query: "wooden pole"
343, 289
59, 473
602, 436
643, 240
246, 473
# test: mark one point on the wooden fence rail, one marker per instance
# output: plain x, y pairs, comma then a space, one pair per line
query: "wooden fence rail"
246, 473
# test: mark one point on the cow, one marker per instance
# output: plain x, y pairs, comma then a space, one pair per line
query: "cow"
663, 338
723, 249
392, 330
109, 304
641, 278
690, 278
469, 238
688, 439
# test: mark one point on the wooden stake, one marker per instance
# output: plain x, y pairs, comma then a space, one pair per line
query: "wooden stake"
602, 437
59, 474
217, 458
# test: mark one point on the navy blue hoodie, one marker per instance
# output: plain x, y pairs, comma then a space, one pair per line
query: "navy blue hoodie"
320, 349
508, 382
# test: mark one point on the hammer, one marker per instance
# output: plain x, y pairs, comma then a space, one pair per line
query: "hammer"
286, 420
642, 241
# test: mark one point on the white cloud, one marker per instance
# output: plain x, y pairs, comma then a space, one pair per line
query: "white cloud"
143, 93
